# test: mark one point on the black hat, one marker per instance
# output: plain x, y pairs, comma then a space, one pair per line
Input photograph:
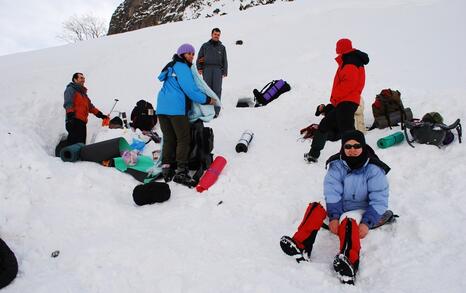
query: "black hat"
359, 161
150, 193
353, 134
116, 122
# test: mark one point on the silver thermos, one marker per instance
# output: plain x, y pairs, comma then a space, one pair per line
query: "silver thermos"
244, 141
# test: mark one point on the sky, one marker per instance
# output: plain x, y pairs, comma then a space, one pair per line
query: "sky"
27, 25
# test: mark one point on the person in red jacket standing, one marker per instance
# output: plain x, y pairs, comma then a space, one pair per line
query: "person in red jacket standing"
78, 106
346, 95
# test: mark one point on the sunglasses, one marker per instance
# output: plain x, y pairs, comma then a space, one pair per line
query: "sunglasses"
355, 146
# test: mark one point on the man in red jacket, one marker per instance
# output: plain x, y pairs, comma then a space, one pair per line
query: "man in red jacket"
346, 95
78, 105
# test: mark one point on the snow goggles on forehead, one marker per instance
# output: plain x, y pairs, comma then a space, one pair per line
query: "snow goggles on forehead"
355, 146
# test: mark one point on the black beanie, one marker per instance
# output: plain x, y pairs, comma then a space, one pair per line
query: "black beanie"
353, 134
359, 161
150, 193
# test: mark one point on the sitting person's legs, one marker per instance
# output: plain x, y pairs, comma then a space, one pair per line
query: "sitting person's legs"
304, 238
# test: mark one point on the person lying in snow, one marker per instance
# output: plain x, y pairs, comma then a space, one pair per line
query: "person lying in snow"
8, 265
356, 195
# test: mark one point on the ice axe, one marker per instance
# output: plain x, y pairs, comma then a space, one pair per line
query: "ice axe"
106, 121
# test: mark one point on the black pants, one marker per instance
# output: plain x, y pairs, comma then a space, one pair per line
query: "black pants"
76, 131
176, 139
341, 118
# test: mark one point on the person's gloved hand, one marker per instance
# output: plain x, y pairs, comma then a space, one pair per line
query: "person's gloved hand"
319, 109
101, 115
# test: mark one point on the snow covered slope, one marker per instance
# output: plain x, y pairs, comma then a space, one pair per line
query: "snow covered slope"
194, 244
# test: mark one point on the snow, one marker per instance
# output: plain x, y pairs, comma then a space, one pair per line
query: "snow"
194, 244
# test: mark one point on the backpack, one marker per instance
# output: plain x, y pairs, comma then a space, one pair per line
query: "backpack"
431, 130
270, 92
388, 110
202, 144
143, 116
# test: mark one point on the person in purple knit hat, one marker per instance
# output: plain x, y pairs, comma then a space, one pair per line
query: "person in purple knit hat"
174, 100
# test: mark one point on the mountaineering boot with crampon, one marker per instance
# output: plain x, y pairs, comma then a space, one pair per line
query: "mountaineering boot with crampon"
289, 247
344, 269
182, 177
346, 263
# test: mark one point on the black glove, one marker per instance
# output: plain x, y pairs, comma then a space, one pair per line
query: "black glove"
328, 108
101, 116
318, 110
325, 109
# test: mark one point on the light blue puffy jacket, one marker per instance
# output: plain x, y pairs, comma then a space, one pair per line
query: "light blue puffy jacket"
364, 188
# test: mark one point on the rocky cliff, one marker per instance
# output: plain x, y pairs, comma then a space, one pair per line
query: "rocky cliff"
135, 14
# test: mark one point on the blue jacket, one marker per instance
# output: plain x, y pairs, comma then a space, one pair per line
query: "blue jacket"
178, 89
364, 188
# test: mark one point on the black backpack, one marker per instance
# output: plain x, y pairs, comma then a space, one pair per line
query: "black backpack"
202, 144
143, 116
431, 130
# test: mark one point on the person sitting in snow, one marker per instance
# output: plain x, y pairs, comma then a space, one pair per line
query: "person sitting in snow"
356, 196
345, 98
174, 100
77, 106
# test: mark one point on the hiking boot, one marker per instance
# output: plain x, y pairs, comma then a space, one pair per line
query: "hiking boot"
309, 158
167, 173
289, 247
344, 269
182, 177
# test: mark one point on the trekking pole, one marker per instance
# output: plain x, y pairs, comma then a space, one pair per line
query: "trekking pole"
116, 101
106, 121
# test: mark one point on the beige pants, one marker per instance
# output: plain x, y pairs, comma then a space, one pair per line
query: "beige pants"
359, 117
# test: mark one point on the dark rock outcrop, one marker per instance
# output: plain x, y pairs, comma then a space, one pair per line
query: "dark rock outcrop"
136, 14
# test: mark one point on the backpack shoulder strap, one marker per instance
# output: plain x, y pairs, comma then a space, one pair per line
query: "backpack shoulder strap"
455, 125
267, 85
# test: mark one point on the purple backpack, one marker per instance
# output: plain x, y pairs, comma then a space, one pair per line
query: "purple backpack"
271, 91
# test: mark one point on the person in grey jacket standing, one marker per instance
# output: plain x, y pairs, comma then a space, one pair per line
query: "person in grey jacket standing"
212, 63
